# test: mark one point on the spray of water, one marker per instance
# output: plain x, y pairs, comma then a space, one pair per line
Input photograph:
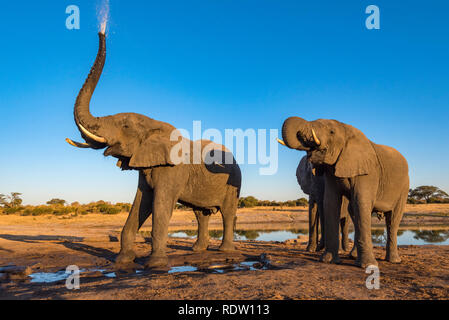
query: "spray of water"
103, 15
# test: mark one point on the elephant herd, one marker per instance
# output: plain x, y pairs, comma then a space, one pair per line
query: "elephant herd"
346, 176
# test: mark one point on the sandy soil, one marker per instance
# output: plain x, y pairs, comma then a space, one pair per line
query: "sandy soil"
281, 270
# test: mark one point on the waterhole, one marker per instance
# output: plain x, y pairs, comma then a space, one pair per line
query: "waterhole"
405, 237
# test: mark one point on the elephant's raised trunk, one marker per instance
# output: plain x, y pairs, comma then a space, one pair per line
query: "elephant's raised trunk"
83, 118
290, 129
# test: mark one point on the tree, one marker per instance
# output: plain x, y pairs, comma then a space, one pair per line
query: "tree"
302, 202
56, 201
427, 193
248, 202
3, 200
12, 201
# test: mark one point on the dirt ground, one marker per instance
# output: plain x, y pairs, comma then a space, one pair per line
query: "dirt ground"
279, 270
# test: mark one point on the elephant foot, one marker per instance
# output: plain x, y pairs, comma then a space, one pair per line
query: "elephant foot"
227, 246
125, 257
126, 266
156, 261
200, 246
125, 261
311, 247
393, 258
364, 263
353, 253
329, 257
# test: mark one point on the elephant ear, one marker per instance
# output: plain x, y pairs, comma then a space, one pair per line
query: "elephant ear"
153, 151
358, 156
304, 175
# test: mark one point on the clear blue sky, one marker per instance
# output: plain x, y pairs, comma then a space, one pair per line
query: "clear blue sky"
231, 64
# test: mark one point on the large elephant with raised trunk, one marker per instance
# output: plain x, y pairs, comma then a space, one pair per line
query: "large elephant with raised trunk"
200, 174
373, 177
311, 181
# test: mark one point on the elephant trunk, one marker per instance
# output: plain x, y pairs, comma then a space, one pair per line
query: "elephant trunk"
293, 131
83, 118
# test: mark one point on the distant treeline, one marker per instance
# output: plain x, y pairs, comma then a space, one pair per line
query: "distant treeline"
250, 201
12, 204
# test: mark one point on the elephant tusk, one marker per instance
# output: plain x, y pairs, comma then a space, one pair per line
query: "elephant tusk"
218, 164
77, 144
315, 138
91, 135
281, 142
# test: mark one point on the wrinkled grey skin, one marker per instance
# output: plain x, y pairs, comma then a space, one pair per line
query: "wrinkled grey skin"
143, 144
311, 181
373, 177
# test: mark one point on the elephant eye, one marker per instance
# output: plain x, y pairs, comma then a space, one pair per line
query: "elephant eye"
332, 131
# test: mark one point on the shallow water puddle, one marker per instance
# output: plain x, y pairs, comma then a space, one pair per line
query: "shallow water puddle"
220, 268
111, 275
182, 269
242, 266
49, 277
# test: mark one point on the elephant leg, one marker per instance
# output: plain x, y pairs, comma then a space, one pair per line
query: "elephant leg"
203, 231
353, 253
332, 206
362, 224
344, 225
228, 212
313, 225
140, 211
393, 219
163, 204
321, 224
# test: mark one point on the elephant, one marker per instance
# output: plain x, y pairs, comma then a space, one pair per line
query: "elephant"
373, 177
201, 174
311, 181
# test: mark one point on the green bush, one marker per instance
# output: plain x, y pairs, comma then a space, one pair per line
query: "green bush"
108, 209
126, 207
302, 202
38, 211
438, 200
12, 210
248, 202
